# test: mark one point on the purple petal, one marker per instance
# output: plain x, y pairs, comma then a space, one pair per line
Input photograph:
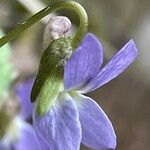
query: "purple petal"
27, 139
97, 130
60, 128
84, 63
114, 67
2, 147
23, 92
43, 144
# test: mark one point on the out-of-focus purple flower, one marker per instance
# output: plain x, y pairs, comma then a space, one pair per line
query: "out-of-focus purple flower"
75, 118
23, 91
1, 146
20, 136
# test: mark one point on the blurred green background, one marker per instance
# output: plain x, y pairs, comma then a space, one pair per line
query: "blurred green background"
126, 100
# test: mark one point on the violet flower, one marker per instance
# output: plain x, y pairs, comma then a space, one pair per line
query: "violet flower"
74, 118
21, 135
23, 91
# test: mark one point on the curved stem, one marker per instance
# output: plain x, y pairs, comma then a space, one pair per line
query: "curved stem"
54, 7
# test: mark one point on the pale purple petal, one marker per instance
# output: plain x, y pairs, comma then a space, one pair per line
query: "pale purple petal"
6, 146
23, 91
84, 63
43, 144
27, 139
60, 128
2, 147
114, 67
97, 130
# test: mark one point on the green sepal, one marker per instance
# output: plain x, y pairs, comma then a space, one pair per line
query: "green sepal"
49, 81
52, 59
49, 93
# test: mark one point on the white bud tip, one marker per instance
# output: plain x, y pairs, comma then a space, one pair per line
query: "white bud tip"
57, 27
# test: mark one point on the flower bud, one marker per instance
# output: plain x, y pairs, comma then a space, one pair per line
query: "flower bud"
56, 28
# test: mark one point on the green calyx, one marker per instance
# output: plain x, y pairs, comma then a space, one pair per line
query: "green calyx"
52, 63
60, 50
49, 92
49, 81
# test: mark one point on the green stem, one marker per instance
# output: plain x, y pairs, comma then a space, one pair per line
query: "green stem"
54, 7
